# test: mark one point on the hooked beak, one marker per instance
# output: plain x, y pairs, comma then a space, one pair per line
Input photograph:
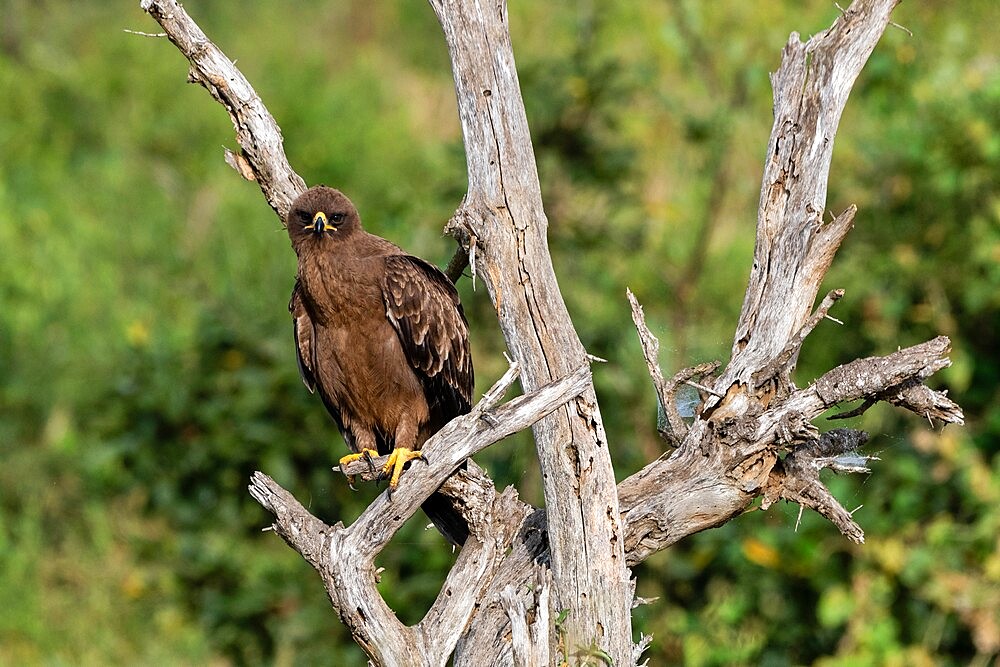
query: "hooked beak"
319, 224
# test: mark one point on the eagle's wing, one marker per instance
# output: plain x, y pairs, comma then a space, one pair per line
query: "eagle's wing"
305, 347
423, 307
305, 337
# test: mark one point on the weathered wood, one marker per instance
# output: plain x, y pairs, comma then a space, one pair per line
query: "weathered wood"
794, 245
702, 485
711, 478
674, 428
528, 611
503, 212
345, 556
720, 468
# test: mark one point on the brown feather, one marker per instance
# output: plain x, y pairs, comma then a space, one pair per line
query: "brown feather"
303, 330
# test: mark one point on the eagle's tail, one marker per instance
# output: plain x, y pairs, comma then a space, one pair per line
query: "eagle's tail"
446, 519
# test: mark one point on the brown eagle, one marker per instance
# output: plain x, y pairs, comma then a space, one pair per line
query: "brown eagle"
381, 335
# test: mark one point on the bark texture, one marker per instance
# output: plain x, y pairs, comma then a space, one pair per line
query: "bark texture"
538, 587
503, 212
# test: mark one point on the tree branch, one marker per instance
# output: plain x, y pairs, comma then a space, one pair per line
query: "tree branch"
467, 435
796, 478
344, 557
262, 155
722, 466
674, 427
780, 367
715, 475
794, 246
503, 214
892, 378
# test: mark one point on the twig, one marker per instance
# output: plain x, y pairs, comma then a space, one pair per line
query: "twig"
675, 427
798, 481
918, 398
701, 387
856, 412
666, 390
472, 258
493, 395
459, 228
459, 262
904, 29
782, 364
144, 34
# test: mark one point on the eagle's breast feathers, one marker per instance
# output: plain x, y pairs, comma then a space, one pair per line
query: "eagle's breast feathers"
380, 334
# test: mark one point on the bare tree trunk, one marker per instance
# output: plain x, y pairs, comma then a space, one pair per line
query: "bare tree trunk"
503, 213
536, 587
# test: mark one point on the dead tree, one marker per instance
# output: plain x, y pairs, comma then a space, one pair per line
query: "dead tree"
544, 586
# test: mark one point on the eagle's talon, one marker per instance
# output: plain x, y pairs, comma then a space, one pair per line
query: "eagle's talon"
367, 454
397, 459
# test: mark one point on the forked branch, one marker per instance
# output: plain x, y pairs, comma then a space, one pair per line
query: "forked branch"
795, 245
345, 556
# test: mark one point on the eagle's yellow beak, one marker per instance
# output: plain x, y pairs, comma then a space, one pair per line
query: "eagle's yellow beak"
319, 224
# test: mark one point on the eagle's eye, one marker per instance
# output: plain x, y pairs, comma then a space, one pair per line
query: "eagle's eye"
303, 216
337, 217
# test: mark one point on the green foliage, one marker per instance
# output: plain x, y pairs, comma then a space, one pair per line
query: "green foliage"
146, 364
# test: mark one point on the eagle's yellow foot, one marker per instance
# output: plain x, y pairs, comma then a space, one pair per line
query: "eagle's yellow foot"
397, 459
366, 454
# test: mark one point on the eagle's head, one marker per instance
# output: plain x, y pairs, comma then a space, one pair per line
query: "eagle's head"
320, 214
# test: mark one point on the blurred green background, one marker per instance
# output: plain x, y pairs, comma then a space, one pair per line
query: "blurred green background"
147, 367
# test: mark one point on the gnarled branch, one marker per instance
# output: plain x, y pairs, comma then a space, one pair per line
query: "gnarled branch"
503, 213
795, 246
345, 556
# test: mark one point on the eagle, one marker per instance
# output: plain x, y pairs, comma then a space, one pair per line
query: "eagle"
381, 335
